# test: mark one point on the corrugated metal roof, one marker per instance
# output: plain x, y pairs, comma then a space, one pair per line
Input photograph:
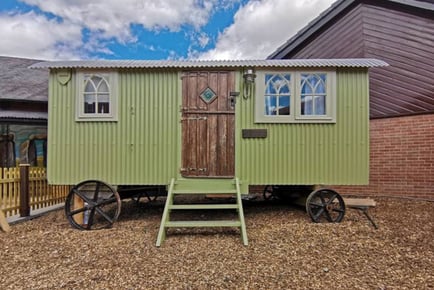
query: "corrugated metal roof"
15, 114
20, 117
270, 63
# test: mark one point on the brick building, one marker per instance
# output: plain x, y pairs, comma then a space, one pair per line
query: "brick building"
401, 95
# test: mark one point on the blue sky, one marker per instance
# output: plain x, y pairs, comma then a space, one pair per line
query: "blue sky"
151, 29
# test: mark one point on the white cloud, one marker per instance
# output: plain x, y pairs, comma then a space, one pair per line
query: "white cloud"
203, 39
31, 35
83, 28
112, 18
261, 26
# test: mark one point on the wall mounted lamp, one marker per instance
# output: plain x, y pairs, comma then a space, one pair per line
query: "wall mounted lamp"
249, 82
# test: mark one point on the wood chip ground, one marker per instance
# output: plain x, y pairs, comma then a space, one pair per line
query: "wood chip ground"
286, 251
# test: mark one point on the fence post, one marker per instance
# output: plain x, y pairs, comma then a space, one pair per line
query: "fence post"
24, 190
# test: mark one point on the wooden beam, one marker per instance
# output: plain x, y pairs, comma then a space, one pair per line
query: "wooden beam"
78, 203
24, 190
4, 223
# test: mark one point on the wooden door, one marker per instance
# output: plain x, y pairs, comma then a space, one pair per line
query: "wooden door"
208, 124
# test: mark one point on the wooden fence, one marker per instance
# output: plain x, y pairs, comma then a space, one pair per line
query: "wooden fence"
24, 188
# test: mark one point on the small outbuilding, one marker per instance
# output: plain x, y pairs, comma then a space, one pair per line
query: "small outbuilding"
208, 126
266, 121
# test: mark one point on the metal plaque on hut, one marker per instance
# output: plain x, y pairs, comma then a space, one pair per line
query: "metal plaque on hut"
63, 77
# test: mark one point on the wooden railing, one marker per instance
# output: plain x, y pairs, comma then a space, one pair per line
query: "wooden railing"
24, 188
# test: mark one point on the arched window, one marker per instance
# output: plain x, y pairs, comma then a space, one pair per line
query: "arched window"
313, 94
97, 97
295, 96
277, 94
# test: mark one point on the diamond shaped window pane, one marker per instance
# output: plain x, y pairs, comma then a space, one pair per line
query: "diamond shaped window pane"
208, 95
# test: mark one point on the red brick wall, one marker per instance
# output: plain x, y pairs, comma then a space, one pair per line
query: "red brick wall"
402, 158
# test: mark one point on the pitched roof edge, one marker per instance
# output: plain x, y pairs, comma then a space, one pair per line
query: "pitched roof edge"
310, 28
335, 9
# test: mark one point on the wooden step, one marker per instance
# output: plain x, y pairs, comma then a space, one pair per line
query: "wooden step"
204, 191
220, 187
200, 185
207, 224
204, 206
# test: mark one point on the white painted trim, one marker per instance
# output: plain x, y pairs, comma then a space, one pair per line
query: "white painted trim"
112, 79
295, 99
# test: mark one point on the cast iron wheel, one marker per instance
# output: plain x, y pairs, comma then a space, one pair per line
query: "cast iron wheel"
325, 204
268, 192
92, 205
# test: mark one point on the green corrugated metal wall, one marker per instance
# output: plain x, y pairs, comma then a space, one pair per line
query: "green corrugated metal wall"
311, 153
143, 147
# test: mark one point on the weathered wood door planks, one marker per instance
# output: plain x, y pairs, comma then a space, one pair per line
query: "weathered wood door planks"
208, 124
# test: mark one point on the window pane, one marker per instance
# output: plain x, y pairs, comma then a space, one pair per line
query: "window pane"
277, 84
89, 108
89, 98
306, 105
96, 80
103, 87
103, 108
277, 94
320, 106
313, 94
284, 88
89, 103
306, 88
269, 88
103, 103
103, 98
284, 107
270, 105
320, 87
89, 87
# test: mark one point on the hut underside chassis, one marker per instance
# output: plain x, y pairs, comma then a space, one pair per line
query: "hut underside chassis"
94, 204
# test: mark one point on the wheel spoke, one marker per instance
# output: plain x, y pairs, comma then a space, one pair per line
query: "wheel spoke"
101, 212
316, 204
82, 196
90, 219
106, 201
330, 201
321, 196
327, 214
74, 212
318, 214
96, 193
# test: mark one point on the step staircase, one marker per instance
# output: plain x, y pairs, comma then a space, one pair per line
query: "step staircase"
213, 187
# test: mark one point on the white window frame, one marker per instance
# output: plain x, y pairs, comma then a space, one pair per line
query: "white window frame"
112, 80
295, 115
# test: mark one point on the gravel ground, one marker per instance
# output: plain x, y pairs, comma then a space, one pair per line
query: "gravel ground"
286, 251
